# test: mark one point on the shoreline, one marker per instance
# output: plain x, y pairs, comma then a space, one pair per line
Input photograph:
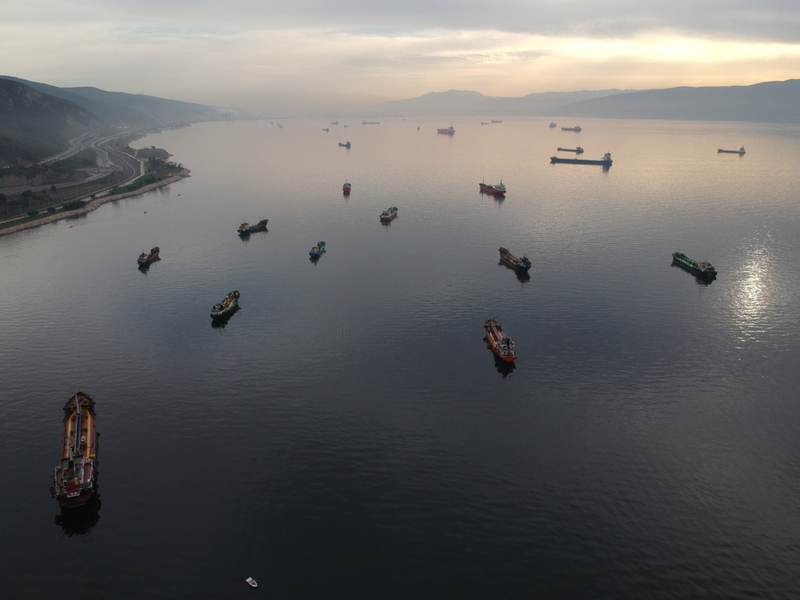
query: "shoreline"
95, 204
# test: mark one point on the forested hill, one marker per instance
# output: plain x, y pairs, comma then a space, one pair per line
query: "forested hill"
34, 125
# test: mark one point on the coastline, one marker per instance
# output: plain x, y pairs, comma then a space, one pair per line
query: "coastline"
95, 204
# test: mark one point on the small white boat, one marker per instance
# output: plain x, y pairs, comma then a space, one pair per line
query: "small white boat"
251, 582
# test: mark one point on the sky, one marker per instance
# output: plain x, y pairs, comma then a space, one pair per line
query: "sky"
282, 56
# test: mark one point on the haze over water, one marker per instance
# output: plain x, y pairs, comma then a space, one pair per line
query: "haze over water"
348, 433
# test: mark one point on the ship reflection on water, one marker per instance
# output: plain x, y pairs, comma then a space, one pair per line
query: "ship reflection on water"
81, 520
245, 237
504, 368
522, 277
699, 280
221, 322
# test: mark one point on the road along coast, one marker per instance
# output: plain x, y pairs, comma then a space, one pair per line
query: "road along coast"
95, 204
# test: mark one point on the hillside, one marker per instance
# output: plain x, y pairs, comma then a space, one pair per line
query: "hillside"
34, 125
774, 102
468, 103
118, 109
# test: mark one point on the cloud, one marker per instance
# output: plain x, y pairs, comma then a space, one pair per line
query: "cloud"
253, 53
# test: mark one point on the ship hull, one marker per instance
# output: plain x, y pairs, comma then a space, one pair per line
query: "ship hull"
486, 189
221, 314
694, 270
580, 161
260, 226
227, 307
518, 267
145, 261
388, 215
494, 339
75, 479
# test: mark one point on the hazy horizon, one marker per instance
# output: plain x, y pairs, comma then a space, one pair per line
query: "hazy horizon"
297, 58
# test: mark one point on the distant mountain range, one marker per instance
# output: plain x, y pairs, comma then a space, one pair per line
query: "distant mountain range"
37, 120
775, 102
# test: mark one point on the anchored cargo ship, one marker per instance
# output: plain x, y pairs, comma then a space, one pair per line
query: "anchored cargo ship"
701, 268
576, 150
389, 214
552, 125
247, 229
346, 188
75, 479
576, 129
740, 151
606, 162
496, 190
145, 259
317, 250
370, 122
226, 307
521, 265
345, 145
446, 130
501, 344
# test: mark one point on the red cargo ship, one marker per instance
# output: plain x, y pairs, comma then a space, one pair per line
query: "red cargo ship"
497, 190
500, 344
75, 479
346, 188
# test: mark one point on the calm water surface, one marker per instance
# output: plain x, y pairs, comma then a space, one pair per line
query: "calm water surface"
348, 433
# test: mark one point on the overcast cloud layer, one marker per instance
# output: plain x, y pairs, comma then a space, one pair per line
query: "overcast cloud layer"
284, 56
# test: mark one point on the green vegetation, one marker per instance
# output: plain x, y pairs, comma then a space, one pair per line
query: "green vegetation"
35, 216
156, 170
81, 160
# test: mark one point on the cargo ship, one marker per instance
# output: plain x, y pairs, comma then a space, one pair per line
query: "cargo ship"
496, 190
145, 259
576, 150
740, 151
247, 229
500, 344
345, 145
317, 250
226, 307
576, 129
446, 130
390, 214
75, 479
496, 121
346, 188
370, 122
521, 265
606, 161
552, 125
701, 268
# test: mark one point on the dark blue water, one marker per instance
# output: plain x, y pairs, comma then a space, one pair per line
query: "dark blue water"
348, 433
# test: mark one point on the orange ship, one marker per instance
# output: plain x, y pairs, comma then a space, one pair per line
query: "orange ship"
75, 478
500, 344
